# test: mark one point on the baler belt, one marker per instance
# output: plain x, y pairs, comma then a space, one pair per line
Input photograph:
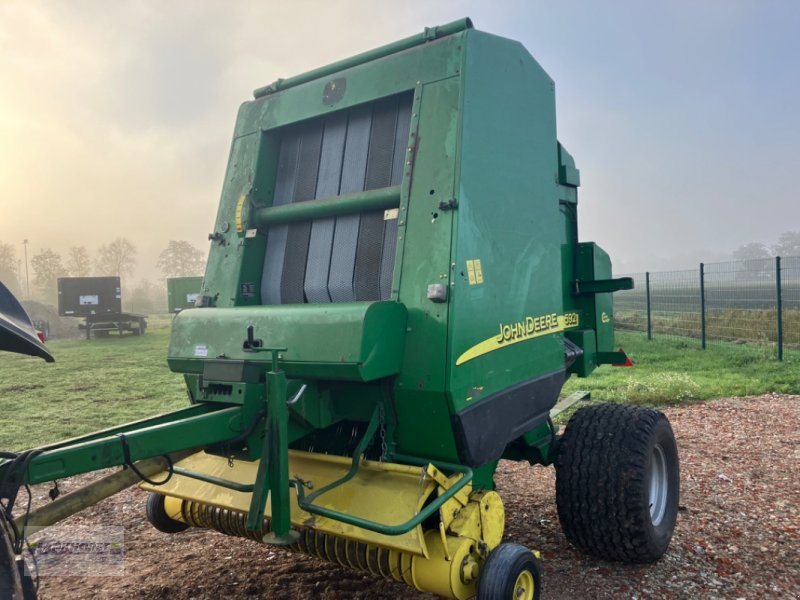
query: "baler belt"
321, 241
296, 254
348, 257
366, 275
343, 253
276, 241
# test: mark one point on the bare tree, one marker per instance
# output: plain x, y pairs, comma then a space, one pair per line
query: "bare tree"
750, 251
788, 244
9, 268
117, 258
78, 262
47, 267
181, 259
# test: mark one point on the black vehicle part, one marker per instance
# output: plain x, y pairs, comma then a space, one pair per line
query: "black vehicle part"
17, 333
159, 518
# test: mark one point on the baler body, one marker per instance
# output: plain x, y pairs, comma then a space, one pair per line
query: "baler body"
352, 197
394, 276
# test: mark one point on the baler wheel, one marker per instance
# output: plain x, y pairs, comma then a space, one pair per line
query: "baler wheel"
510, 573
158, 517
617, 482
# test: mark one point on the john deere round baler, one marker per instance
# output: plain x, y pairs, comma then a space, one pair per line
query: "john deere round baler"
394, 297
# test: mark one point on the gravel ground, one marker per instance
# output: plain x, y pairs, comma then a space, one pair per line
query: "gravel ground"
738, 531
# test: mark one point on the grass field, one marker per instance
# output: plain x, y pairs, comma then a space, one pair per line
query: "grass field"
93, 384
669, 370
100, 383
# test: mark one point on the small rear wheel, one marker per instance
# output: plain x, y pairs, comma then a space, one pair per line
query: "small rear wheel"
158, 517
617, 482
510, 573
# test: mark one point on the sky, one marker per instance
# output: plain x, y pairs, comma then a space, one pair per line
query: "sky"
683, 116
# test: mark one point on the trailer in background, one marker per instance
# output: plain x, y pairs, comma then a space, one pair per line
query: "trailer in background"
182, 292
98, 300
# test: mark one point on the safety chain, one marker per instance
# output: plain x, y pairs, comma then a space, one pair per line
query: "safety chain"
382, 422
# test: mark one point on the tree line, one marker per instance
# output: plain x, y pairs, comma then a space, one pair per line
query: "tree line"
788, 244
116, 258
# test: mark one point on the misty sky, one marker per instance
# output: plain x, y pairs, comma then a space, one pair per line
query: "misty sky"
115, 118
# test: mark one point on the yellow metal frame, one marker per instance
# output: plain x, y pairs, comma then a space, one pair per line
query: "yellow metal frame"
445, 560
384, 492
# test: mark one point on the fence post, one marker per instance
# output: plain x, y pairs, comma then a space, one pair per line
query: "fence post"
779, 305
649, 313
702, 306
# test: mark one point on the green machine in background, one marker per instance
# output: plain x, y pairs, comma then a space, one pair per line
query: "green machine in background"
182, 292
394, 297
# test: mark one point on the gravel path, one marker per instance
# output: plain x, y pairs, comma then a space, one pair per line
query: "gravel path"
738, 531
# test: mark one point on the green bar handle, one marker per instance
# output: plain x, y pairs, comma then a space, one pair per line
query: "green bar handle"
402, 527
334, 206
226, 483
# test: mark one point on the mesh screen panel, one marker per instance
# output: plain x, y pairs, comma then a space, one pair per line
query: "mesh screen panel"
349, 257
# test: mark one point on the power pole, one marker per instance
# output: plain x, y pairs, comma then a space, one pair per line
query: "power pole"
27, 280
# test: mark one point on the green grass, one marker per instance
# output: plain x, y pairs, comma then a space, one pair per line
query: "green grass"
100, 383
668, 371
93, 384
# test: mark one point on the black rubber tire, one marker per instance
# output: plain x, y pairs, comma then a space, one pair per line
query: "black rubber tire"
28, 586
10, 580
603, 473
159, 518
15, 579
498, 577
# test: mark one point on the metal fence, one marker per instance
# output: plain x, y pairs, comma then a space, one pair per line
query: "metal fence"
744, 302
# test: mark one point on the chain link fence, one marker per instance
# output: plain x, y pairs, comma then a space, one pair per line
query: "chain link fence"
742, 302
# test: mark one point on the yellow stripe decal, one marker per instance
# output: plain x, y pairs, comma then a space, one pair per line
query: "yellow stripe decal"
239, 207
514, 333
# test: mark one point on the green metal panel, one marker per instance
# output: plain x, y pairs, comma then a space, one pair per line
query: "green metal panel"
377, 79
428, 35
354, 341
424, 419
594, 264
568, 174
223, 277
182, 292
508, 219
